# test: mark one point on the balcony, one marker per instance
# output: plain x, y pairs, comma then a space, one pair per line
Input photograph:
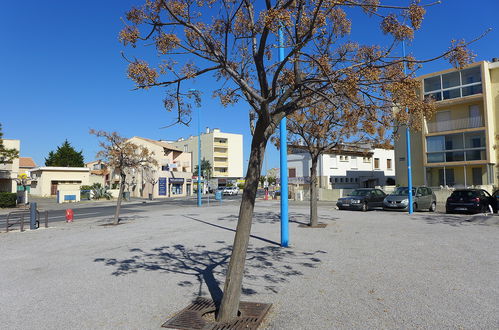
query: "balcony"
221, 154
221, 163
218, 173
220, 144
455, 124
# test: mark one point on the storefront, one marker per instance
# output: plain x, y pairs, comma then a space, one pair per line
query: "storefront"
176, 186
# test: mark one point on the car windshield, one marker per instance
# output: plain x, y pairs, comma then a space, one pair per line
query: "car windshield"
403, 191
464, 194
359, 192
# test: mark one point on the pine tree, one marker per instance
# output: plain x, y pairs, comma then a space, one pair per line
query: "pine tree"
6, 155
65, 156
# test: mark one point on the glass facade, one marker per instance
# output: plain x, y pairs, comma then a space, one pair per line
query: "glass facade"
456, 147
454, 84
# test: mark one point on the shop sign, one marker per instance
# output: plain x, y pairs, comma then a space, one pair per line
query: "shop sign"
176, 180
162, 186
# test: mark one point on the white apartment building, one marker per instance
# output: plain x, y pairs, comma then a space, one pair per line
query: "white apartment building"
9, 172
348, 167
224, 151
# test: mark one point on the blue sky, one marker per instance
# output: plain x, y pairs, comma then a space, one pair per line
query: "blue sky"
62, 72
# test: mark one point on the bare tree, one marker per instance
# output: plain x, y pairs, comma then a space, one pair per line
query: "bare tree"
323, 127
236, 44
123, 156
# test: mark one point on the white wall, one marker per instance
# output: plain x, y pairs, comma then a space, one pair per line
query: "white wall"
352, 170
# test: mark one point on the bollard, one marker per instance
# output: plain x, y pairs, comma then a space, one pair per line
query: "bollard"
32, 216
69, 215
46, 219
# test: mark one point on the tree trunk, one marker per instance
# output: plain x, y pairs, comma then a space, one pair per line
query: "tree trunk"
120, 198
233, 282
313, 192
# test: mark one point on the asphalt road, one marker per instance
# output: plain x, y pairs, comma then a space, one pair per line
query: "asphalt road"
127, 208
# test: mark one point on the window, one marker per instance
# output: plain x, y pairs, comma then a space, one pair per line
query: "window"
454, 84
456, 147
389, 164
336, 180
165, 168
343, 158
292, 172
376, 163
366, 159
356, 179
341, 180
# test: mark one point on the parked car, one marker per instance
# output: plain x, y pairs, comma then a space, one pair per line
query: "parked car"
470, 201
423, 198
362, 199
231, 191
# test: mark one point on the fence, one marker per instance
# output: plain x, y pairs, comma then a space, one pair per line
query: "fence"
18, 217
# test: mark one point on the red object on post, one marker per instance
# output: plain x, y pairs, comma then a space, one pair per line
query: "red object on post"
69, 215
266, 194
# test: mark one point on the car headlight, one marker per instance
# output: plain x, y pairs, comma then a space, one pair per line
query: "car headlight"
355, 201
405, 201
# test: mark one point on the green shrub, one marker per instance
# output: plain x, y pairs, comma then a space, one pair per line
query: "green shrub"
240, 185
85, 187
8, 199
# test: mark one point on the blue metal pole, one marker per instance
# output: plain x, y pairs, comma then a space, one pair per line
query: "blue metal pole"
284, 164
408, 147
199, 157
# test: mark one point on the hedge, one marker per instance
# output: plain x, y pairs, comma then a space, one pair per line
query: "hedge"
8, 199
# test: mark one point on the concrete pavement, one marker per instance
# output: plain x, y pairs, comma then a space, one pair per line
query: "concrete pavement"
364, 270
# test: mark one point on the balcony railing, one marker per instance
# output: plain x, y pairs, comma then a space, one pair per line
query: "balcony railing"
454, 124
217, 173
221, 144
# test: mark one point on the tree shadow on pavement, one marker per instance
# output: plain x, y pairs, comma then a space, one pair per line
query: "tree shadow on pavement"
457, 220
230, 229
266, 267
273, 217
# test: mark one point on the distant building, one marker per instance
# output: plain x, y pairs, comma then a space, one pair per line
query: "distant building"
457, 146
46, 181
26, 164
224, 151
172, 177
345, 167
99, 173
10, 171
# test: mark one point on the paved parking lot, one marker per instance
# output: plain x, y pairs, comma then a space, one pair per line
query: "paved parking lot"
364, 270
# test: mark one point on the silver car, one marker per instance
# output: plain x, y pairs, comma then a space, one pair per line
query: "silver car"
423, 199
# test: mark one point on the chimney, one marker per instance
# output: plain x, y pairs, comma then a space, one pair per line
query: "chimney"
207, 130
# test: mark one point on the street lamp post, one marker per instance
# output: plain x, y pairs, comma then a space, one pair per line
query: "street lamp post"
283, 163
199, 157
408, 148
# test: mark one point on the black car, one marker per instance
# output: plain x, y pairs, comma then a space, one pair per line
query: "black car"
362, 199
470, 201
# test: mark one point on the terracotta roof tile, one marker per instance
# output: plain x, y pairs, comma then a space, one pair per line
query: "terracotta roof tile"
26, 162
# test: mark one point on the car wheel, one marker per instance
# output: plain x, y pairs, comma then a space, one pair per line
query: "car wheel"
433, 207
364, 207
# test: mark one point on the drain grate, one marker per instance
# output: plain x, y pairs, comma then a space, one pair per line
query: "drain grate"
191, 317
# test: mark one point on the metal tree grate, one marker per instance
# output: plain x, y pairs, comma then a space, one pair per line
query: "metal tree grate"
191, 317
